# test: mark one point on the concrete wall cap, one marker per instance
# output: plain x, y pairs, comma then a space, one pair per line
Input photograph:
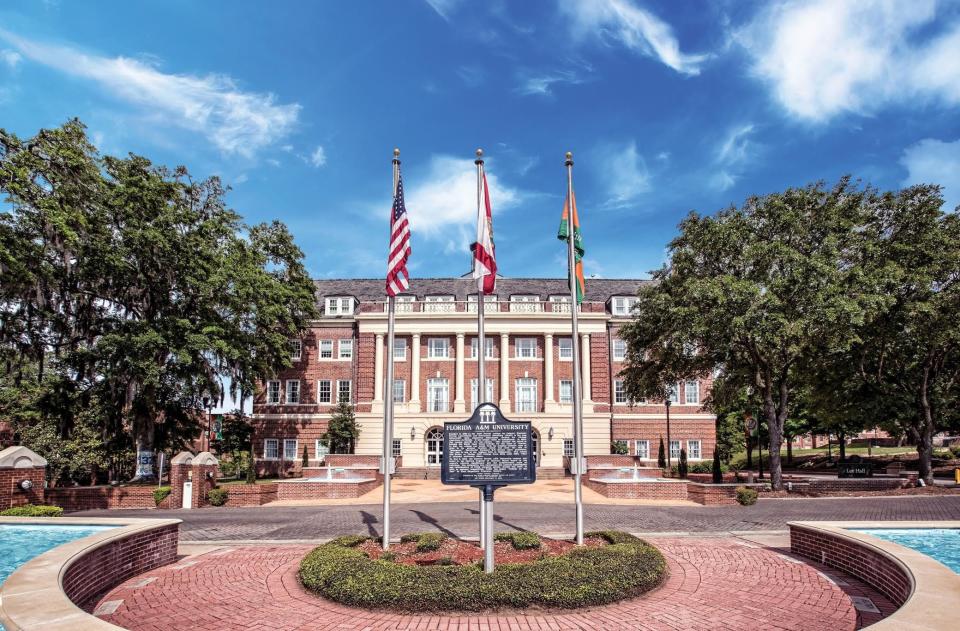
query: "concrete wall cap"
205, 458
19, 457
184, 457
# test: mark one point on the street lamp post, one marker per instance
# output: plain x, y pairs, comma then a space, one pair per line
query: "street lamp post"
668, 402
209, 409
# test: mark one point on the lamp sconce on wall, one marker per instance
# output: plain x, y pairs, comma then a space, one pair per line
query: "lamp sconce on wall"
25, 485
550, 433
413, 433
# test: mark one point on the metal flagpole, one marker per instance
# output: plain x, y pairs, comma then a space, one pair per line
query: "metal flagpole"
481, 339
575, 343
388, 392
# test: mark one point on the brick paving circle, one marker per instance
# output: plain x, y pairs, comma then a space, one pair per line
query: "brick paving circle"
714, 583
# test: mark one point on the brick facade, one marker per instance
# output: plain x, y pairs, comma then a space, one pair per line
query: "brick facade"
95, 497
507, 322
11, 494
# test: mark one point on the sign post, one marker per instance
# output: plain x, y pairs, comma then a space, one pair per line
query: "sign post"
488, 451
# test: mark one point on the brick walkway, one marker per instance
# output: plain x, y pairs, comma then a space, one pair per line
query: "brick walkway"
460, 518
715, 583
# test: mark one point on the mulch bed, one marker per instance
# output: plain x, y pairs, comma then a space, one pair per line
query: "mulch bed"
466, 552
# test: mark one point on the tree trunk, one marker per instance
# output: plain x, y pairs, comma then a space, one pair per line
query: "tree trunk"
776, 416
750, 451
925, 433
789, 451
842, 445
145, 456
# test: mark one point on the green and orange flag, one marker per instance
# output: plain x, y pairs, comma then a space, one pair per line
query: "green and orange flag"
564, 233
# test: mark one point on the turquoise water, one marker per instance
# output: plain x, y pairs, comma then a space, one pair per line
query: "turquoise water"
943, 544
19, 544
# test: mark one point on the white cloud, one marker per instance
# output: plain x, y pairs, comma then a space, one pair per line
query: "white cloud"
444, 8
472, 76
542, 84
733, 152
625, 173
447, 196
11, 58
319, 157
825, 57
235, 121
634, 27
933, 161
240, 179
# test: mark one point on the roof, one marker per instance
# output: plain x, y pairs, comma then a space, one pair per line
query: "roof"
373, 289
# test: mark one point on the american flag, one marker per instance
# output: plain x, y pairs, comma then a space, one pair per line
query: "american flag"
398, 280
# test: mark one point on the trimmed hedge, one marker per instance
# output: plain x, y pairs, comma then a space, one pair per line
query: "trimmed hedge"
30, 510
746, 496
426, 541
218, 496
160, 494
582, 577
520, 540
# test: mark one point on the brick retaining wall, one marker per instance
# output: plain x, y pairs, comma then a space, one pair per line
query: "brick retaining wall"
79, 498
101, 569
250, 494
667, 490
297, 490
718, 494
866, 563
820, 486
348, 460
12, 495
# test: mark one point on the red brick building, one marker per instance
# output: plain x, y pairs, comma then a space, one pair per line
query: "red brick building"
528, 372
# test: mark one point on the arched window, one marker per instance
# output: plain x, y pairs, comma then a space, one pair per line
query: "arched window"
434, 438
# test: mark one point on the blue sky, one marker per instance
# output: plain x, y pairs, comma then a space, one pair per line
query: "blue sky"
667, 106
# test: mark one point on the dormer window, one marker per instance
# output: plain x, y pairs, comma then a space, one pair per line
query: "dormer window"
621, 305
339, 306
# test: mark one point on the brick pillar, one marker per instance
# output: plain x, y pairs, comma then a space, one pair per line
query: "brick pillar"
22, 477
201, 470
179, 473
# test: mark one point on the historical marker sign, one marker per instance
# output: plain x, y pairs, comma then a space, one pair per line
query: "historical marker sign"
488, 449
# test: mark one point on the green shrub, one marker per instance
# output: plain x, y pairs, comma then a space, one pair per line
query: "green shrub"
445, 561
160, 494
350, 541
707, 467
746, 496
426, 541
218, 496
581, 578
612, 536
520, 540
388, 556
619, 448
955, 450
30, 510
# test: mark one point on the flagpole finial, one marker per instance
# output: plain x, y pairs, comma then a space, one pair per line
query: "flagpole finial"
396, 152
479, 159
569, 161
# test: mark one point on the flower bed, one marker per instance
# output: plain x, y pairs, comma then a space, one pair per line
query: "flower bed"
355, 571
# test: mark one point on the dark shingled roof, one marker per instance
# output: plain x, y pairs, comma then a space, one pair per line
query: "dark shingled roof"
367, 289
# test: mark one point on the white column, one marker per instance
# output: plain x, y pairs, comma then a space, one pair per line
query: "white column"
378, 371
548, 368
585, 369
505, 372
415, 373
458, 403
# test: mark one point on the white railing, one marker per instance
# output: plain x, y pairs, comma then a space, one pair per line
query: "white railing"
470, 306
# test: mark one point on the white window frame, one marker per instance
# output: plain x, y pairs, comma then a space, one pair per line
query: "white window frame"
403, 390
619, 392
568, 355
329, 397
695, 398
321, 454
641, 449
618, 349
296, 350
274, 393
338, 305
690, 445
396, 447
400, 342
431, 347
325, 353
340, 398
287, 399
473, 392
345, 349
675, 455
674, 395
266, 449
622, 305
488, 342
296, 445
568, 447
569, 396
434, 387
525, 404
529, 346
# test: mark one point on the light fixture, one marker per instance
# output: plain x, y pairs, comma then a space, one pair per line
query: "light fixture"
413, 433
550, 433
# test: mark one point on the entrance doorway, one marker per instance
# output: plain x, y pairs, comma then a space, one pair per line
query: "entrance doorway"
434, 438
